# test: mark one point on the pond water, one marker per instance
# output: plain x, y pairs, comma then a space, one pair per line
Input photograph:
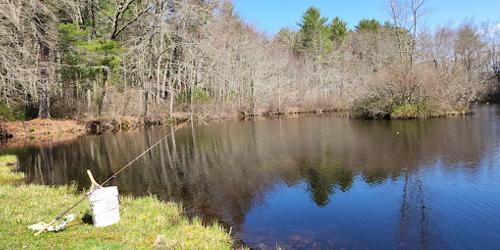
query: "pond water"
311, 182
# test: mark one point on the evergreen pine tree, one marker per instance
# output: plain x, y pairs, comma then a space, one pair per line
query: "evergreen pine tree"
338, 30
314, 34
368, 25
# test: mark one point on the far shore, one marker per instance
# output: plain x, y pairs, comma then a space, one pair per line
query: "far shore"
45, 131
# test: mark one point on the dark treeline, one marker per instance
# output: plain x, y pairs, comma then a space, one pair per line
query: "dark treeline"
116, 58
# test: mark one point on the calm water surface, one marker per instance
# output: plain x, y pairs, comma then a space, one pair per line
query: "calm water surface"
318, 182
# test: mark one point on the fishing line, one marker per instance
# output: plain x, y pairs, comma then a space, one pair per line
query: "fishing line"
110, 178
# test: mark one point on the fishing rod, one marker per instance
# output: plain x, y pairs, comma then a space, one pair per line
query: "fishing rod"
60, 216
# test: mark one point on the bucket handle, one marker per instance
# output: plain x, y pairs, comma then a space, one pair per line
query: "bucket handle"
95, 185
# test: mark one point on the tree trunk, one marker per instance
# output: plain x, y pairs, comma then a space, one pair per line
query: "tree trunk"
145, 103
44, 99
89, 100
252, 92
100, 102
44, 103
279, 95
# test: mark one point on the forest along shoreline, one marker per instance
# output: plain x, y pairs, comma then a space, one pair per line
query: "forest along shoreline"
202, 60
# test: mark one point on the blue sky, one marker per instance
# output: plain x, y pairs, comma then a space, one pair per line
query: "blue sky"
271, 15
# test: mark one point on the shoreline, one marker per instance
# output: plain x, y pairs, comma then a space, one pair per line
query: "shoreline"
46, 131
39, 132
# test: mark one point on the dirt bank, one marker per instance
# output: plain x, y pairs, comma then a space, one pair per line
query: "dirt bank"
41, 130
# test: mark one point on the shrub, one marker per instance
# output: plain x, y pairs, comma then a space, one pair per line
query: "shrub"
370, 108
8, 113
373, 108
200, 95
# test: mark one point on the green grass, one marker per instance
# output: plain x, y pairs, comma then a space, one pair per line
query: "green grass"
412, 111
143, 220
406, 111
7, 176
7, 159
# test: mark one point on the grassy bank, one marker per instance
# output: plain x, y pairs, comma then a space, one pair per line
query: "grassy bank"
145, 223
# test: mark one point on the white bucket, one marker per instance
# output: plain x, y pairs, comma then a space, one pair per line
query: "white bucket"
105, 206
